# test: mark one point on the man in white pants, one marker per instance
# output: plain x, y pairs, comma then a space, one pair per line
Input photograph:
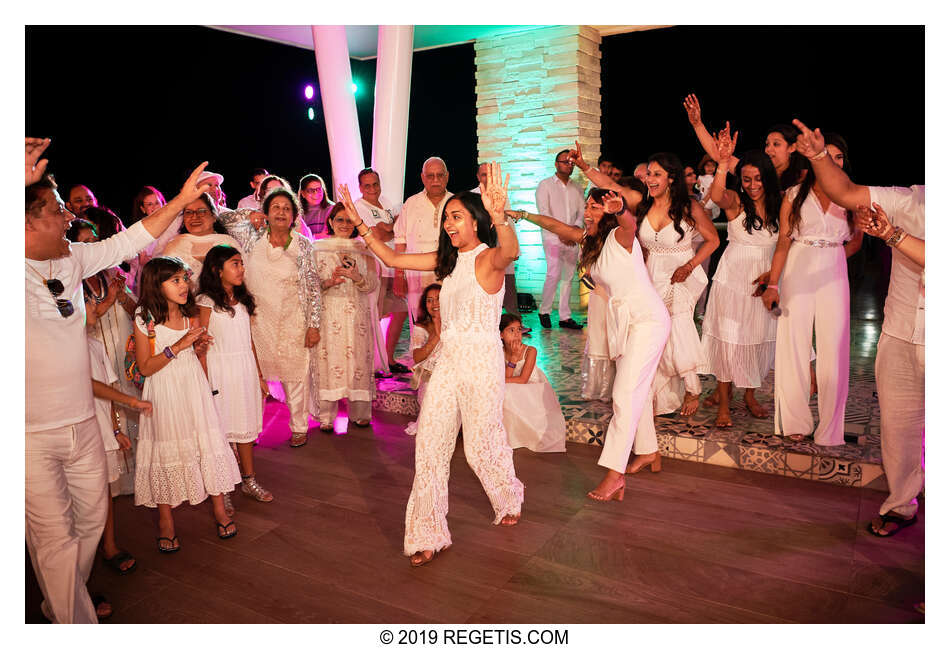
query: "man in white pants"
66, 482
563, 200
417, 230
899, 366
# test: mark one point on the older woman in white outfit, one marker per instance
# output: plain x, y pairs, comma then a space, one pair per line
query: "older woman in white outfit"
281, 275
200, 231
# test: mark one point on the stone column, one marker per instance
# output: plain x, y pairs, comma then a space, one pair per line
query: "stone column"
537, 92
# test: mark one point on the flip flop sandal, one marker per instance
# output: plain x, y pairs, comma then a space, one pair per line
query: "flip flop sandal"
169, 550
900, 521
116, 561
223, 532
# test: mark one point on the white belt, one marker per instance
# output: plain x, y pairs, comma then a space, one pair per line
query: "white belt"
819, 243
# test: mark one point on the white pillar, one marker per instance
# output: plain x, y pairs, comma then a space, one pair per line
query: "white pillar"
391, 109
339, 105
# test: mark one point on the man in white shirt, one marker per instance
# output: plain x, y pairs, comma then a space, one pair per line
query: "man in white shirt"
417, 229
899, 366
66, 484
250, 201
378, 213
563, 200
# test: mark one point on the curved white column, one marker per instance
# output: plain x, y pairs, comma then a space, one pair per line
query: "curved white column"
339, 105
391, 109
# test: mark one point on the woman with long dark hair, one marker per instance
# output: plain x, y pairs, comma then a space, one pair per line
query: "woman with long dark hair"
476, 244
815, 238
738, 335
638, 324
669, 219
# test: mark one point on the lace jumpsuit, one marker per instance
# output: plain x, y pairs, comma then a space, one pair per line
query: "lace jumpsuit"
467, 388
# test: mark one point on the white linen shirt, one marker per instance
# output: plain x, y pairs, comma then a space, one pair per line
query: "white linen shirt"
58, 376
904, 306
419, 223
249, 202
564, 202
373, 215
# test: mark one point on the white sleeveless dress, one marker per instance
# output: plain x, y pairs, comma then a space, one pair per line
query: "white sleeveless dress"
738, 332
467, 389
182, 452
532, 414
683, 360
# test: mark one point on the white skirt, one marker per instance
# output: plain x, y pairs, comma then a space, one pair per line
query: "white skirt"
532, 415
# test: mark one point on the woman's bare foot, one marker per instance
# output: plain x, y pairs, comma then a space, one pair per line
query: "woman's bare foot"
690, 404
712, 399
610, 488
755, 408
510, 519
723, 418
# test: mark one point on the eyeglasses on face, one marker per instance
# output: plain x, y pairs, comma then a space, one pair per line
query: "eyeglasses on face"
203, 212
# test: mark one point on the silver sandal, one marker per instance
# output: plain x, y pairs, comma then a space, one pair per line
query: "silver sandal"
251, 487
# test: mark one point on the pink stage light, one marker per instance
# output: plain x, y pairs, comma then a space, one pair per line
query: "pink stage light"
308, 92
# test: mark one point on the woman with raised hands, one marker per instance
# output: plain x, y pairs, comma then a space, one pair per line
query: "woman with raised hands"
780, 147
738, 334
638, 325
467, 387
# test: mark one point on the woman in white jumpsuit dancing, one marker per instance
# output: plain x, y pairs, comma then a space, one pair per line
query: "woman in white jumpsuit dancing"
638, 325
468, 383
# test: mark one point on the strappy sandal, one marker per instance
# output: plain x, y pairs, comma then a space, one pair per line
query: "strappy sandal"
223, 532
420, 559
900, 521
115, 562
510, 519
172, 548
298, 439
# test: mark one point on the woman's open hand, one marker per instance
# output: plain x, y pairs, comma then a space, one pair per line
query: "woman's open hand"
494, 194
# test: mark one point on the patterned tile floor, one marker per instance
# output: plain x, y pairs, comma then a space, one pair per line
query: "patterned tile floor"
750, 444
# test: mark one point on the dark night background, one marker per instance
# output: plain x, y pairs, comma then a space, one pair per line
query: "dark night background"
128, 106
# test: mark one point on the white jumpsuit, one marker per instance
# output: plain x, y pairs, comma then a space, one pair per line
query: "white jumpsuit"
638, 325
467, 388
815, 273
683, 359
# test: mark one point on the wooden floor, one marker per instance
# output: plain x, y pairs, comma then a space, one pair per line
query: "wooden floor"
694, 543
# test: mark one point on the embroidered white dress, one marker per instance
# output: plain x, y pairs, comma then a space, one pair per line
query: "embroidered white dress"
683, 358
738, 333
532, 414
342, 362
233, 373
467, 389
182, 452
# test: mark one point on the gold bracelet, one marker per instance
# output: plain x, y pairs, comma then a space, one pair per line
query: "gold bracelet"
819, 156
503, 223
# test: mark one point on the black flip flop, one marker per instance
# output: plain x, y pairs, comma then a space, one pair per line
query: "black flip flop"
171, 540
900, 521
116, 561
224, 528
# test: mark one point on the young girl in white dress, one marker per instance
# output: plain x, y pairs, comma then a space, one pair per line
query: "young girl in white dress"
182, 452
468, 383
669, 218
225, 307
425, 340
531, 414
815, 239
738, 334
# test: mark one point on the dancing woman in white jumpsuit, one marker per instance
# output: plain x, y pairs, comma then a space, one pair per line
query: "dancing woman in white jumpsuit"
467, 384
815, 240
638, 325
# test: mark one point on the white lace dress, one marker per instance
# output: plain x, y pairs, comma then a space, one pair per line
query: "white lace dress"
532, 414
738, 333
683, 360
467, 389
342, 362
182, 452
232, 372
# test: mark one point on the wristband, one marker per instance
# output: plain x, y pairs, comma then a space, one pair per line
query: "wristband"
357, 226
503, 223
775, 286
511, 365
816, 158
896, 237
168, 353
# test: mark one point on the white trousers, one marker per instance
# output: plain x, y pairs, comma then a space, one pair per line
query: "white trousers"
631, 426
297, 395
562, 262
899, 369
355, 410
467, 389
814, 277
67, 496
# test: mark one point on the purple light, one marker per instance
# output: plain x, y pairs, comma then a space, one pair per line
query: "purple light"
308, 92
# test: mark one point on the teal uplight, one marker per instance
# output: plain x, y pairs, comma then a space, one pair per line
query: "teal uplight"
310, 113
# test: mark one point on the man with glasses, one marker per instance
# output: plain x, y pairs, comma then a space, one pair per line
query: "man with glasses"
417, 230
563, 200
66, 483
